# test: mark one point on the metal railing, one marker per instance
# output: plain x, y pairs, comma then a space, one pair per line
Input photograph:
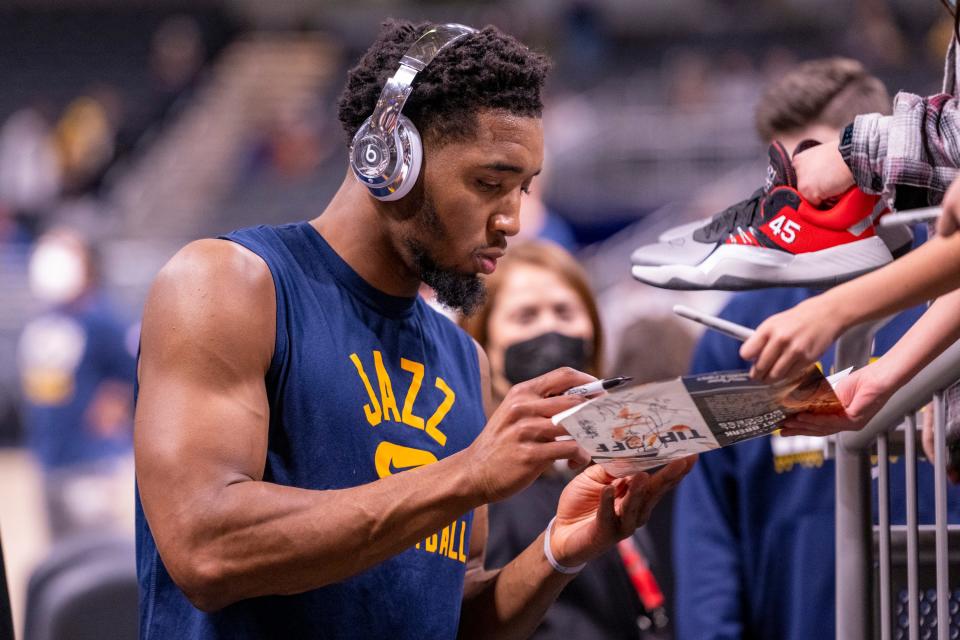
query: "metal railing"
854, 536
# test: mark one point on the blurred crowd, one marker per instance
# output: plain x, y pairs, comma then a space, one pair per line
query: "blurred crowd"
52, 154
699, 119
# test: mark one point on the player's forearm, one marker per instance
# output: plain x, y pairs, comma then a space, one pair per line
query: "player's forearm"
255, 538
936, 330
926, 273
511, 602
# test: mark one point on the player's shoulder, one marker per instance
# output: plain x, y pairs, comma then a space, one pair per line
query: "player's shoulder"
215, 256
212, 293
226, 263
217, 277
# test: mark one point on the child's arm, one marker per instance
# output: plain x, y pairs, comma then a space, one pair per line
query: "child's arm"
787, 342
866, 390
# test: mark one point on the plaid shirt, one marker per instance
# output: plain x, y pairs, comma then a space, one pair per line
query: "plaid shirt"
917, 146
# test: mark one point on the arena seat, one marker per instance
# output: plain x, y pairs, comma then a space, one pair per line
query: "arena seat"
86, 589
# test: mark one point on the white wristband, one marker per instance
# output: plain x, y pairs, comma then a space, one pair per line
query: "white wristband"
549, 554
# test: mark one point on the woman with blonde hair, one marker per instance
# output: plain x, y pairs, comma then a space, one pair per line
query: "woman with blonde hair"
540, 314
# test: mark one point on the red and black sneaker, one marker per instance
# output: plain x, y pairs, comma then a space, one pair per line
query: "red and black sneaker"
775, 238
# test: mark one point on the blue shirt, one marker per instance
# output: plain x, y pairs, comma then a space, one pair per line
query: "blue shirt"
754, 528
65, 355
361, 385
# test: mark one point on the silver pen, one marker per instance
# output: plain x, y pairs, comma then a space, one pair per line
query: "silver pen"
725, 327
911, 216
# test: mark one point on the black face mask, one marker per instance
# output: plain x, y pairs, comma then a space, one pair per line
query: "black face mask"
536, 356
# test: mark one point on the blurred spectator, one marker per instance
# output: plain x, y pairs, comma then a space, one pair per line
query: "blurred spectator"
29, 170
85, 139
816, 99
540, 315
653, 348
292, 143
77, 377
177, 54
754, 524
689, 78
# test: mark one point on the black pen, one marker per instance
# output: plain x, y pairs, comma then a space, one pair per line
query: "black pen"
597, 386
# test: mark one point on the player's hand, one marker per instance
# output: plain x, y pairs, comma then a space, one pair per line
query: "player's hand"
862, 393
597, 510
787, 343
519, 441
822, 173
950, 218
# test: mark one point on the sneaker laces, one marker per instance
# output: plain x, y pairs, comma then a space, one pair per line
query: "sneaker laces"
741, 215
744, 214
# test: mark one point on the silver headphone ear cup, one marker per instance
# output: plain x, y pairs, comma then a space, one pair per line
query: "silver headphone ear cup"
410, 148
387, 168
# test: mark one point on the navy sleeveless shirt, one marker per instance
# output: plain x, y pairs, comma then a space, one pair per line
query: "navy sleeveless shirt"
362, 385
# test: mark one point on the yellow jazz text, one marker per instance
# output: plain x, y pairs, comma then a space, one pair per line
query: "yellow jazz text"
383, 403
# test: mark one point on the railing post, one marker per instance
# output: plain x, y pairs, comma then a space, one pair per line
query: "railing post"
913, 543
853, 553
854, 536
940, 511
852, 622
883, 486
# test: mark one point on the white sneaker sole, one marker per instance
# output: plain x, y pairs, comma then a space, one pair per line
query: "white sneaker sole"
736, 267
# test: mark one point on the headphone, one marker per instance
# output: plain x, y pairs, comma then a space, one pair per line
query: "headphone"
386, 152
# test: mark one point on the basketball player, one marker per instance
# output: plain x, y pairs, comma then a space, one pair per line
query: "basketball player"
312, 459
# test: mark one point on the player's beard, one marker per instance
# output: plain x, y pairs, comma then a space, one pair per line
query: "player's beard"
454, 289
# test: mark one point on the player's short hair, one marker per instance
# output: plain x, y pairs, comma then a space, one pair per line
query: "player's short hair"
485, 70
829, 91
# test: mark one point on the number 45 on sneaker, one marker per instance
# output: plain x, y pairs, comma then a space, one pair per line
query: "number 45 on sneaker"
775, 238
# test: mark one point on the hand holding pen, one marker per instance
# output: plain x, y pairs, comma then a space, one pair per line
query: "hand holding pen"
598, 386
762, 369
593, 388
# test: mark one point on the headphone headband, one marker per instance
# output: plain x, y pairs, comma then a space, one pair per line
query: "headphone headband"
397, 89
